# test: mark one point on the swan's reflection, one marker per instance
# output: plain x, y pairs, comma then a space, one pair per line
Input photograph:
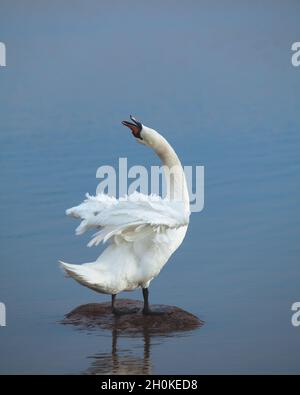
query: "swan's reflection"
129, 327
123, 360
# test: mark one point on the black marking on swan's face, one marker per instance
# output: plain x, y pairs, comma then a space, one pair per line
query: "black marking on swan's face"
135, 126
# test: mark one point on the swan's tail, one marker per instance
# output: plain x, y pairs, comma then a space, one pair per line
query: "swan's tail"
78, 272
83, 275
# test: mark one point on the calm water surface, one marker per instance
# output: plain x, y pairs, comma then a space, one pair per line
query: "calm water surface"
217, 81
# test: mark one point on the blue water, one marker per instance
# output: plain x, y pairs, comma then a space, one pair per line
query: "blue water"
215, 79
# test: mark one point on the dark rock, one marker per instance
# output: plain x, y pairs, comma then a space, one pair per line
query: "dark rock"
132, 320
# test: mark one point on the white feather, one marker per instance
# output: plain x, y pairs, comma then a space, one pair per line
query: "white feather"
128, 214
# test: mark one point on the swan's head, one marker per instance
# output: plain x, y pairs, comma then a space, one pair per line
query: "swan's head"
143, 134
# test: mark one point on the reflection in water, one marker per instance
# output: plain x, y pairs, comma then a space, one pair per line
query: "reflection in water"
130, 325
122, 361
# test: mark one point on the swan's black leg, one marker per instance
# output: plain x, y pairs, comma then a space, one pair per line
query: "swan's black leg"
146, 309
113, 309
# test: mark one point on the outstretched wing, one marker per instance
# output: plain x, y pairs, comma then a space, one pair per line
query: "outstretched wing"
127, 216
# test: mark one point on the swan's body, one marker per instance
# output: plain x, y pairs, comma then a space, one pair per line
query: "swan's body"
143, 231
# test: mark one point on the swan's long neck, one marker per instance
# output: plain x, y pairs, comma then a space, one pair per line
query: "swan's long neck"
174, 173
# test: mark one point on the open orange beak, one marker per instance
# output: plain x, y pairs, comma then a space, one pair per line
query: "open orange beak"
135, 126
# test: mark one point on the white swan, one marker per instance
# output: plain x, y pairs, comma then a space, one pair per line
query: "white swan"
143, 231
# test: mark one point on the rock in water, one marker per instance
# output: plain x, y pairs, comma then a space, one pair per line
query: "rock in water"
132, 320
